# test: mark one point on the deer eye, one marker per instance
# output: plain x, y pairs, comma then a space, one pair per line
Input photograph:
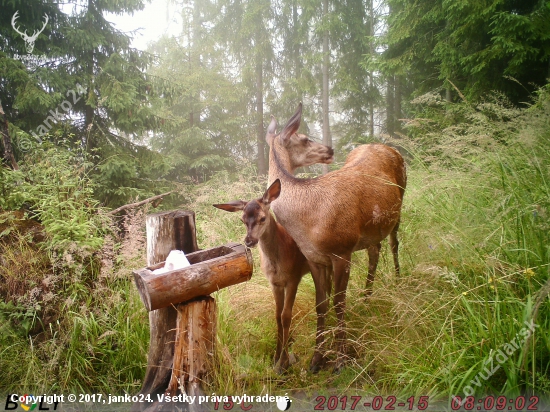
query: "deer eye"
262, 220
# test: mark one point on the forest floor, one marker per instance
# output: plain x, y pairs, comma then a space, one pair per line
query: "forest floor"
474, 255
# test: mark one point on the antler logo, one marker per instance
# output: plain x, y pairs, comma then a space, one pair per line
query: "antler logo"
29, 40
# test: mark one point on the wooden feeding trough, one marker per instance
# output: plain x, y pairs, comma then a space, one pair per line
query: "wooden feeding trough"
210, 270
182, 315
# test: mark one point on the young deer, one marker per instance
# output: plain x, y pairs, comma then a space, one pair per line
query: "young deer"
282, 262
331, 216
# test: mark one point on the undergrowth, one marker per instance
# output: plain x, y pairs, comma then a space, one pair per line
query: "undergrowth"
70, 318
475, 256
475, 269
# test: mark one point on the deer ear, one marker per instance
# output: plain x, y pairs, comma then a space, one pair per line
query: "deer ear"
292, 125
272, 192
233, 206
272, 128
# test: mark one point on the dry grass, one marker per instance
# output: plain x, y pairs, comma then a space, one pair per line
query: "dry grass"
403, 312
474, 255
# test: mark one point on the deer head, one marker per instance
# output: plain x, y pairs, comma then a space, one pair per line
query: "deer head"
29, 40
256, 215
302, 151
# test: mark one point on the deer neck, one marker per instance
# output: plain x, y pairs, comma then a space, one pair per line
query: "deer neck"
279, 164
293, 208
270, 238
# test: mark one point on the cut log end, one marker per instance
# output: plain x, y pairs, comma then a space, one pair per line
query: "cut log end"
142, 290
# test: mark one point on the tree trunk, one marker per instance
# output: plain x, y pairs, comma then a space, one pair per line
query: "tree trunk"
371, 80
166, 231
6, 140
89, 110
327, 138
371, 111
195, 63
262, 168
389, 107
296, 50
397, 104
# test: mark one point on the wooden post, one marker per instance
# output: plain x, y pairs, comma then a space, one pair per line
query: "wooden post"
166, 231
183, 335
195, 347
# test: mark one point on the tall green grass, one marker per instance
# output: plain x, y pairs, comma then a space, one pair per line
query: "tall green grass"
475, 257
475, 262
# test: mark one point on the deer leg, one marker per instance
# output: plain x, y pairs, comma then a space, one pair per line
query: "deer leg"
318, 272
394, 243
341, 267
286, 319
374, 254
279, 295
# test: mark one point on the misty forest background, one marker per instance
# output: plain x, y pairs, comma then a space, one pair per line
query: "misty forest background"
460, 87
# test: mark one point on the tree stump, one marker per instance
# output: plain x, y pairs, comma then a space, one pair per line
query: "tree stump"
194, 349
166, 231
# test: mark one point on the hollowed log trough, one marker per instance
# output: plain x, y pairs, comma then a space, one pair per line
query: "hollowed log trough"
210, 270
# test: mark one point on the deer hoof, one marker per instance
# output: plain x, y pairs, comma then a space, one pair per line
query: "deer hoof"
338, 366
366, 294
314, 369
281, 368
292, 359
317, 363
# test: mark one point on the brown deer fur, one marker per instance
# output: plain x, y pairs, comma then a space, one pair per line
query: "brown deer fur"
282, 262
333, 215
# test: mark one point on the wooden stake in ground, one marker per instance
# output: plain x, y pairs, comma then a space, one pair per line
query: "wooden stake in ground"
166, 231
194, 349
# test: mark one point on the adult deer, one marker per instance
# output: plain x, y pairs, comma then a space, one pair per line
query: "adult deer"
282, 262
333, 215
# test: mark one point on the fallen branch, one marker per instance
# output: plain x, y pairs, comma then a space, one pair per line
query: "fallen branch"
140, 203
